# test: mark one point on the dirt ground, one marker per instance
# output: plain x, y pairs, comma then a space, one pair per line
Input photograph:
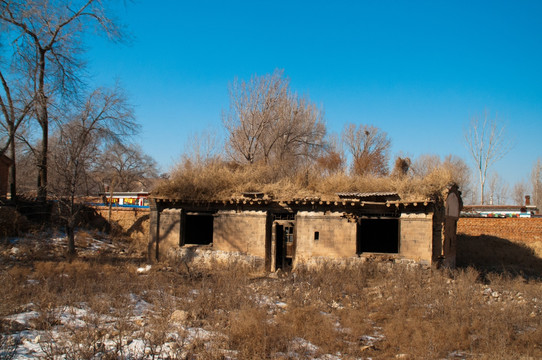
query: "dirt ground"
107, 303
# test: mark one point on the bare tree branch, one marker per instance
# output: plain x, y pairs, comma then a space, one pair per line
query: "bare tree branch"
267, 123
487, 143
46, 49
369, 147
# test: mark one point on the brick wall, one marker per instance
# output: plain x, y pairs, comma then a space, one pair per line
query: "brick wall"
416, 237
131, 221
513, 244
243, 232
170, 230
336, 236
526, 230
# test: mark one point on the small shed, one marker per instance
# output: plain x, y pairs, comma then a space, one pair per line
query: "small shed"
289, 232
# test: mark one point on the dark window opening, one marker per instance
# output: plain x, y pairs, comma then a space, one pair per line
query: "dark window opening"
199, 229
289, 234
378, 235
316, 236
284, 216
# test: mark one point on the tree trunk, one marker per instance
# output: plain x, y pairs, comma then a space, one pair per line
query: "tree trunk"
70, 224
70, 232
43, 120
13, 173
42, 166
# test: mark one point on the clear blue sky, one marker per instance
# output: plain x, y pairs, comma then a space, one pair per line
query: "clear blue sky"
418, 70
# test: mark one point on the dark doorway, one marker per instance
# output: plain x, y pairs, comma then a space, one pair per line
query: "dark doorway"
198, 229
279, 251
285, 244
378, 236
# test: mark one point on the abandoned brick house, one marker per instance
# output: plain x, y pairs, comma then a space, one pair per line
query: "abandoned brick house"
291, 232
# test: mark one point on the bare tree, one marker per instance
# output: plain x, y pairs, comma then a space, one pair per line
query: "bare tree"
424, 164
126, 167
369, 147
536, 183
332, 159
487, 143
498, 190
15, 107
460, 171
203, 147
105, 117
47, 38
269, 124
518, 193
453, 165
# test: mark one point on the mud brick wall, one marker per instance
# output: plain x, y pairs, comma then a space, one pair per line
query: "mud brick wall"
336, 236
416, 237
243, 232
131, 221
526, 230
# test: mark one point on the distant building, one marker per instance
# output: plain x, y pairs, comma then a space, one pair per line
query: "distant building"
127, 198
491, 211
5, 164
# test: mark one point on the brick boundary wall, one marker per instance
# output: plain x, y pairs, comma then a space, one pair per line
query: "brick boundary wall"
525, 230
133, 221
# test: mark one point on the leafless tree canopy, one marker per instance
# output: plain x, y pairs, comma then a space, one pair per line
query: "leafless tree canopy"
487, 143
267, 123
519, 191
126, 168
105, 117
46, 43
203, 147
332, 159
458, 170
369, 147
498, 190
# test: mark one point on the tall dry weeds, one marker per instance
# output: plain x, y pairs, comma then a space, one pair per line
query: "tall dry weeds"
218, 180
376, 310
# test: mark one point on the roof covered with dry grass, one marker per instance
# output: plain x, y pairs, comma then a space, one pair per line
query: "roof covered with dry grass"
220, 181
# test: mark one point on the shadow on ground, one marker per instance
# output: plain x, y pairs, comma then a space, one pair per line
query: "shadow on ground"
494, 254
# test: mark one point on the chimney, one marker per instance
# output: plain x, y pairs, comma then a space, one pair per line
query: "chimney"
527, 200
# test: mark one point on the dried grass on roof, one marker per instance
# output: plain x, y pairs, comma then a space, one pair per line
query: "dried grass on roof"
219, 181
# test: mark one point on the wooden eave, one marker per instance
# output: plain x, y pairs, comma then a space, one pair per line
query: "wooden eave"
297, 203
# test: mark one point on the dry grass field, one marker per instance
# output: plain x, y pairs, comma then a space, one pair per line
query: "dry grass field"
107, 304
